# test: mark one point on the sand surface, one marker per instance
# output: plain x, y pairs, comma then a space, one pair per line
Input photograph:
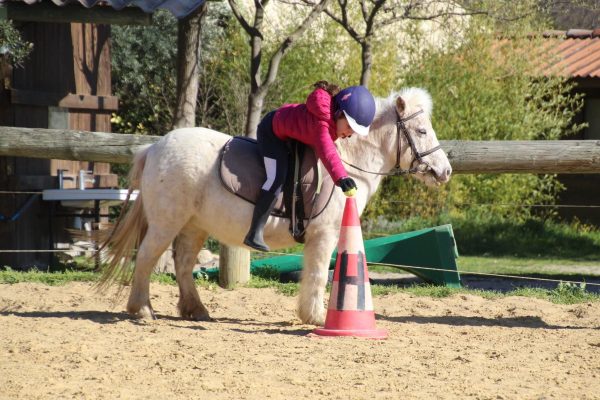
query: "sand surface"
68, 342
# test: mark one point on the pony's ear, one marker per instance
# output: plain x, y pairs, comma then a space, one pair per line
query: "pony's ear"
400, 105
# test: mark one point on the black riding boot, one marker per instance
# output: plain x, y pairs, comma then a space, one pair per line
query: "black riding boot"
262, 210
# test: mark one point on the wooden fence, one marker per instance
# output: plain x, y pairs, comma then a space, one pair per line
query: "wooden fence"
564, 157
466, 157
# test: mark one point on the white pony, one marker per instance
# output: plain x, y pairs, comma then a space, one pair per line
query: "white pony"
181, 200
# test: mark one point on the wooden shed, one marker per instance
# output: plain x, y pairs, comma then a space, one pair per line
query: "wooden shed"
65, 83
576, 54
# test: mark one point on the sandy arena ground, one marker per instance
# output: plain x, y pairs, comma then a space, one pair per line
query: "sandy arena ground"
67, 342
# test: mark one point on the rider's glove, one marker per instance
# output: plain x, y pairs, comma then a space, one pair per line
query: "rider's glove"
348, 186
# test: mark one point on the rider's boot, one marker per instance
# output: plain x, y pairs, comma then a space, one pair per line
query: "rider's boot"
262, 210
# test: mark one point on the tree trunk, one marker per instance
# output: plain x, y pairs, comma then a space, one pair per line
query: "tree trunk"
234, 263
255, 108
189, 31
367, 62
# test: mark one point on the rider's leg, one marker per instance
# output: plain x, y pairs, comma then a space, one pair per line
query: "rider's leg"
262, 210
275, 156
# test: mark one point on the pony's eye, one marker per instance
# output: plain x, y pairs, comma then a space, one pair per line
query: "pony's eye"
422, 131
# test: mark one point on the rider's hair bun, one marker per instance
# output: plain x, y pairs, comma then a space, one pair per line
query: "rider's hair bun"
330, 88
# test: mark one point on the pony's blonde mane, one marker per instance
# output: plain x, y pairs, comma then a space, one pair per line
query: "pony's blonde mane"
413, 96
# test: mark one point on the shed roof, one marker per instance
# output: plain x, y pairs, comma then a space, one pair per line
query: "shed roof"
179, 8
574, 53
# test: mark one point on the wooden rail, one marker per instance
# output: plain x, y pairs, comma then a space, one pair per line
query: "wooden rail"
466, 157
524, 156
71, 145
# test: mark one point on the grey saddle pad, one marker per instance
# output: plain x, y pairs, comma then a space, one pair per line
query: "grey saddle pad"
243, 174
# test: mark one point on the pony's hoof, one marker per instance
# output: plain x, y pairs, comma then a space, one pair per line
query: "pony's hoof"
145, 312
316, 318
199, 313
200, 317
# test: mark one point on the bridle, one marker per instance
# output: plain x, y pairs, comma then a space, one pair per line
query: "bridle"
401, 129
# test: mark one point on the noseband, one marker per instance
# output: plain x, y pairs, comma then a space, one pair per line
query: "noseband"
401, 129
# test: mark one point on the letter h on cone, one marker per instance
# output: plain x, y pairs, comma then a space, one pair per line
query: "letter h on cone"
350, 311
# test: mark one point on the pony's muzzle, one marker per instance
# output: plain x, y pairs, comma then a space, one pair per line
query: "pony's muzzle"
443, 176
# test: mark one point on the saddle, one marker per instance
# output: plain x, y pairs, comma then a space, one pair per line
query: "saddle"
305, 194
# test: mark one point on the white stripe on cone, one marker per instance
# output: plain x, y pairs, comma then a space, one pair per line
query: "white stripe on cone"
350, 297
351, 240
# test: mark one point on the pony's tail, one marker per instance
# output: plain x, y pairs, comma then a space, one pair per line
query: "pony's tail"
120, 243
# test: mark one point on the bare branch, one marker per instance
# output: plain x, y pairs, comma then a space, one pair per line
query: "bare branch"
370, 17
238, 15
290, 40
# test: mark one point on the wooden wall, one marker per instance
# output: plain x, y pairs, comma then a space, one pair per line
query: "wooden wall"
65, 83
584, 189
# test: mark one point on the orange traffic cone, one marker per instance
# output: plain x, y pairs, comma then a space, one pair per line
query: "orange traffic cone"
350, 311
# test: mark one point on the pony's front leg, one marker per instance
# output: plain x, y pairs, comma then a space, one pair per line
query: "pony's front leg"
317, 256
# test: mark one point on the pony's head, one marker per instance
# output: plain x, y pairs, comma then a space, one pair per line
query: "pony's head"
416, 145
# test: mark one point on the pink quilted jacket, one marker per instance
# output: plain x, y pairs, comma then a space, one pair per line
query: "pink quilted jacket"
313, 124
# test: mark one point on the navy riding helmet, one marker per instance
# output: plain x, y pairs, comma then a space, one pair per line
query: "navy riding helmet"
358, 106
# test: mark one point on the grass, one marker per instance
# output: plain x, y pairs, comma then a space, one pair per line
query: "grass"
514, 265
57, 278
533, 248
10, 276
550, 268
565, 293
287, 289
553, 268
529, 239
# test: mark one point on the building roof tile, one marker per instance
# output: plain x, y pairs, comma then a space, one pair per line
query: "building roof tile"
574, 53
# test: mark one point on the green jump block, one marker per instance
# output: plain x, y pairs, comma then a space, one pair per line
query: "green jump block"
431, 248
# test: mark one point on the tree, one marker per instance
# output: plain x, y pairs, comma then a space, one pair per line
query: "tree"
582, 14
372, 17
485, 89
13, 51
259, 85
189, 30
144, 75
144, 62
232, 259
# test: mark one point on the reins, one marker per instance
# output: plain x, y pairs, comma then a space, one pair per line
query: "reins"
401, 129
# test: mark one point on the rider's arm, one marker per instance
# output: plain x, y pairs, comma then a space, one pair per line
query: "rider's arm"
327, 153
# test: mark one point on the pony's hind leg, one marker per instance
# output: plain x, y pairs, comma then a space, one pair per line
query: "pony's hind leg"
187, 245
155, 242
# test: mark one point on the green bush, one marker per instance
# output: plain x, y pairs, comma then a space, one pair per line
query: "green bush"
144, 75
485, 89
13, 49
531, 238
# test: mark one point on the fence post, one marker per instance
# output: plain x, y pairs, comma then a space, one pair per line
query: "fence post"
234, 266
